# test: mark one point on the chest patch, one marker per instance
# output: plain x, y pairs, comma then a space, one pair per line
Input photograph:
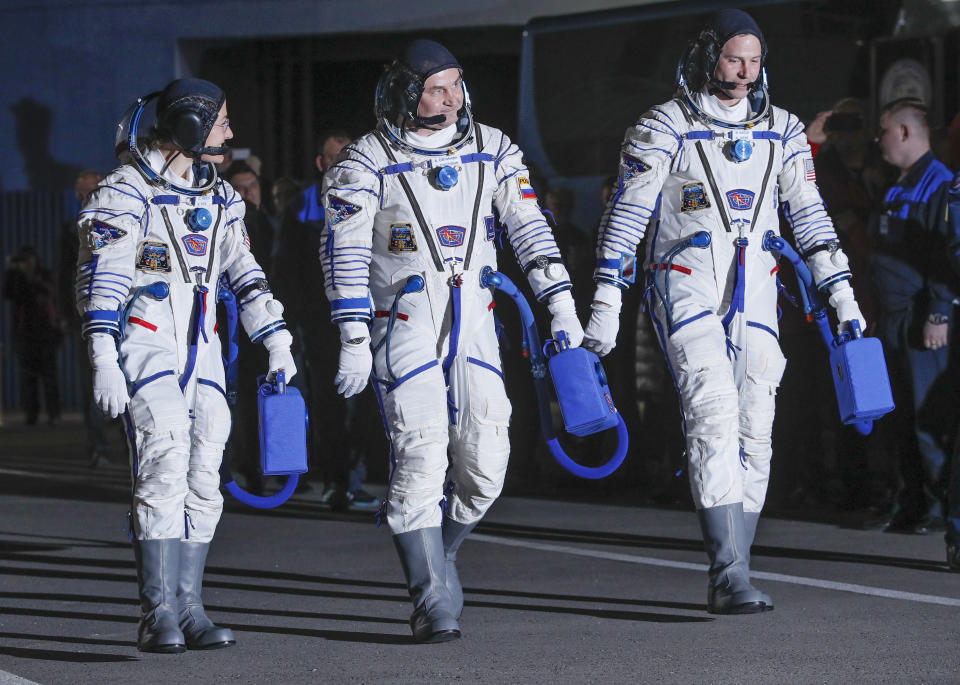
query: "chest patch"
451, 236
153, 257
633, 167
101, 234
195, 244
526, 188
402, 239
694, 197
340, 209
740, 199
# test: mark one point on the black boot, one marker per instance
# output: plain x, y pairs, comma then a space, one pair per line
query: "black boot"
158, 565
454, 534
421, 554
199, 631
725, 537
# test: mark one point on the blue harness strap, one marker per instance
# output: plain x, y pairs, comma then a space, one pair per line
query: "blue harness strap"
472, 158
454, 345
398, 168
196, 330
736, 302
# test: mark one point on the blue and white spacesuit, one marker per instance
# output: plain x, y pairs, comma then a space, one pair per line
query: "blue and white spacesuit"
704, 179
149, 226
411, 223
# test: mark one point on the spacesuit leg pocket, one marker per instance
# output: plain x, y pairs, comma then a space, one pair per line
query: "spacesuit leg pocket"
482, 449
416, 418
161, 433
709, 401
211, 430
765, 367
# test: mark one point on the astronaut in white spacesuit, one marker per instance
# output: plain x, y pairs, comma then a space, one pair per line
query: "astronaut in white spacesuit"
155, 238
707, 173
412, 216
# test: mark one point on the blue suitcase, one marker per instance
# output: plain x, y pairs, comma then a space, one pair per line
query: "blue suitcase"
582, 391
283, 428
860, 377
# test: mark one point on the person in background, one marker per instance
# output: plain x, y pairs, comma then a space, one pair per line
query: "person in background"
914, 294
36, 332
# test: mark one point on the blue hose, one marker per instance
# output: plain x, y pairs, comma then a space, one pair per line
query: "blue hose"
225, 295
538, 362
812, 307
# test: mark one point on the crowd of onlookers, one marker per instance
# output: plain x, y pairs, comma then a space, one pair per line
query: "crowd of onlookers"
899, 249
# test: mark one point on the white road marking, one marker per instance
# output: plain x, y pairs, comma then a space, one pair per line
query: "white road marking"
11, 679
759, 575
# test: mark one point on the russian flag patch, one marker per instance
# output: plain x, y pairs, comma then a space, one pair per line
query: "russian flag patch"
526, 188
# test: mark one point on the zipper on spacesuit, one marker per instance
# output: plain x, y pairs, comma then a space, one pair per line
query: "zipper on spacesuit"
736, 300
456, 288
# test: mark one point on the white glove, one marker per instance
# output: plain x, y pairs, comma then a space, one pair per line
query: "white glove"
356, 359
278, 345
565, 318
109, 384
601, 334
847, 308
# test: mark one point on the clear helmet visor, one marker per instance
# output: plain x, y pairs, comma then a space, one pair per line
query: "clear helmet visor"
132, 144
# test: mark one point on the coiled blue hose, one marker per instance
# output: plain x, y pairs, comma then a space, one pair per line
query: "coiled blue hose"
538, 362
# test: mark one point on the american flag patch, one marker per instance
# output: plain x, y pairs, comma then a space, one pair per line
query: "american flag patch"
808, 169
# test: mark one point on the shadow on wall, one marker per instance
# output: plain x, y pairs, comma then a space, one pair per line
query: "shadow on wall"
33, 125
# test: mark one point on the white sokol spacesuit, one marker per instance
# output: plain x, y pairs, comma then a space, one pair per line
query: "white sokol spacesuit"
145, 226
411, 224
705, 182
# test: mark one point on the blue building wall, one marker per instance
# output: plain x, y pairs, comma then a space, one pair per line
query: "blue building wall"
82, 63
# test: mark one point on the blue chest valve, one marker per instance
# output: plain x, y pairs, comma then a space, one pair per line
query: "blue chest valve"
575, 376
740, 150
444, 178
199, 219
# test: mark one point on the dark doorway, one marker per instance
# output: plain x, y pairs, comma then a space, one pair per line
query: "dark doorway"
282, 92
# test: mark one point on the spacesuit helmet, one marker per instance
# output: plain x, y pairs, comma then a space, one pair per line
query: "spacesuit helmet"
400, 89
182, 115
186, 112
698, 65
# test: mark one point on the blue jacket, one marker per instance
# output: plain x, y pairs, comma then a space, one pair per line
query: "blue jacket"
911, 274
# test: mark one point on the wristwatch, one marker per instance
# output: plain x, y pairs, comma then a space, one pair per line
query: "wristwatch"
938, 319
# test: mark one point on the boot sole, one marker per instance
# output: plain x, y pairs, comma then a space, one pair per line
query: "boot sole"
215, 645
748, 608
176, 648
440, 636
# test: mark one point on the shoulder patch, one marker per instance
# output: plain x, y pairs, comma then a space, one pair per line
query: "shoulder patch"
740, 199
340, 209
153, 257
808, 168
100, 234
633, 167
451, 236
195, 244
402, 239
526, 188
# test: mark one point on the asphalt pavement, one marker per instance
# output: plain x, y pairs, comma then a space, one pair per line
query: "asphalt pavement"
557, 591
